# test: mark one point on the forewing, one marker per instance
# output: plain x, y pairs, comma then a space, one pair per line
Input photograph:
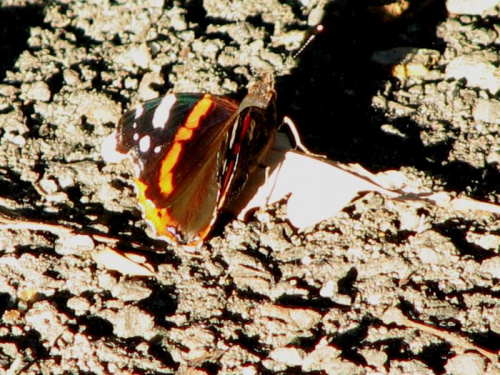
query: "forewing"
175, 144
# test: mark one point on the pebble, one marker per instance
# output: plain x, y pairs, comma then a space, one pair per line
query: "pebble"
486, 241
342, 299
403, 367
18, 140
374, 358
320, 358
176, 18
491, 266
131, 322
38, 91
428, 255
249, 370
477, 70
328, 289
74, 244
99, 109
115, 260
79, 304
487, 111
248, 273
140, 55
130, 291
289, 356
66, 178
298, 319
46, 320
59, 197
8, 90
286, 324
9, 349
71, 77
466, 364
48, 185
471, 7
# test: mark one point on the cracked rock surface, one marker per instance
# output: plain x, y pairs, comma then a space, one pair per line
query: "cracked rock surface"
381, 287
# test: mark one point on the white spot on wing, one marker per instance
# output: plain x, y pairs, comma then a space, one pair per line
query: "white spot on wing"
157, 149
162, 112
139, 110
136, 137
144, 143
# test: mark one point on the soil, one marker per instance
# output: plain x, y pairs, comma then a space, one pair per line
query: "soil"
382, 287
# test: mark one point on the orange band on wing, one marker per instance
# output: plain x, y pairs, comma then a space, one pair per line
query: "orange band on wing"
158, 217
184, 133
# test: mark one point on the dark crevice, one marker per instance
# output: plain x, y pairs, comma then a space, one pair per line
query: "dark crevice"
456, 231
161, 303
14, 32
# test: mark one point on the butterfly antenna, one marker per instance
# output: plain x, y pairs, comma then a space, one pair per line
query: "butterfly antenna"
291, 60
318, 29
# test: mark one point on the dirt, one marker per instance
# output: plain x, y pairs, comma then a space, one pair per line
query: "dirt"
382, 287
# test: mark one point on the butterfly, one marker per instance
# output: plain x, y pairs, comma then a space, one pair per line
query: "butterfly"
193, 154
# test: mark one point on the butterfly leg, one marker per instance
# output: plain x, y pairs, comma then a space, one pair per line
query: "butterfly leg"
296, 137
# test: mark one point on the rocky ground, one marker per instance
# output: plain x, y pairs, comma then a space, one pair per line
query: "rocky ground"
384, 286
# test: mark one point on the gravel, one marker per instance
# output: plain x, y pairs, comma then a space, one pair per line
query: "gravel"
382, 287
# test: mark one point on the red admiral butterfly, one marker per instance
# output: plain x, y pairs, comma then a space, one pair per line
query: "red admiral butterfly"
193, 153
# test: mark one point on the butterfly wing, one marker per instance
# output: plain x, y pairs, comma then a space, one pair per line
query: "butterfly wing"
173, 143
250, 136
192, 153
